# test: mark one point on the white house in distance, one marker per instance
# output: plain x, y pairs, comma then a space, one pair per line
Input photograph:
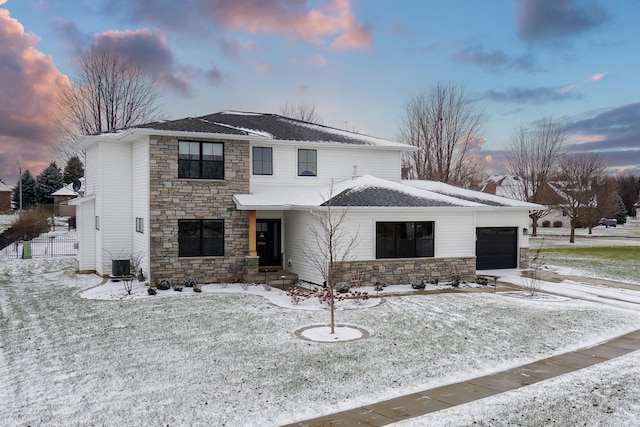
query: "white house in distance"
229, 195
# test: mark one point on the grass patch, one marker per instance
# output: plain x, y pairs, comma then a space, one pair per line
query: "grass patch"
612, 262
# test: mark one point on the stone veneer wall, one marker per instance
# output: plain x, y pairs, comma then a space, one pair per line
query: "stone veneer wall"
407, 270
524, 258
172, 199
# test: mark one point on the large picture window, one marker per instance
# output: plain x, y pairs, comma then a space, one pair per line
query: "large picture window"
404, 239
200, 237
201, 160
262, 161
307, 162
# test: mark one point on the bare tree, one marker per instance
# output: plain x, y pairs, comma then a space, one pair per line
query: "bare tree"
331, 246
305, 112
107, 92
532, 157
579, 176
444, 125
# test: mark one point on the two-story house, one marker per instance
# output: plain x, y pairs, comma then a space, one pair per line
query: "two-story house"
225, 195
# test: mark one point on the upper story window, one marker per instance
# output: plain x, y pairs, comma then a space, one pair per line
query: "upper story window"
201, 160
262, 161
307, 162
200, 237
404, 239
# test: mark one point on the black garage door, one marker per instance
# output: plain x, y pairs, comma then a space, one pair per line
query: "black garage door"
496, 247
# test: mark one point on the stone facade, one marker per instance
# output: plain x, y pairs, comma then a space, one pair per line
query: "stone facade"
172, 199
524, 258
410, 270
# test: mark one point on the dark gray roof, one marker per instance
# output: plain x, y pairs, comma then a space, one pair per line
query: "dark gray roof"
378, 196
471, 199
267, 125
192, 124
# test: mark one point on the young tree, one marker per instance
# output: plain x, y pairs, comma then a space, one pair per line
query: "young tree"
605, 206
444, 125
331, 247
305, 112
28, 191
579, 175
629, 190
108, 91
621, 211
532, 156
47, 182
73, 170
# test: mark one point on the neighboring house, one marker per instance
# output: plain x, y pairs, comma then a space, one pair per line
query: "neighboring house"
5, 198
61, 197
511, 186
227, 195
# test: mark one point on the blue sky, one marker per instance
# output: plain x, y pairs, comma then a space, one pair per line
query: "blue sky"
358, 61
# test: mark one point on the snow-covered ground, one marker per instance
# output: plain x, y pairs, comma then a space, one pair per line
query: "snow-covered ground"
75, 352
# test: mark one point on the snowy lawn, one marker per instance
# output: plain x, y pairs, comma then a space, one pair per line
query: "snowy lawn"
230, 356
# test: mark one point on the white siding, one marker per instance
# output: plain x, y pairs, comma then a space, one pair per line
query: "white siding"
334, 162
140, 202
454, 234
115, 205
85, 214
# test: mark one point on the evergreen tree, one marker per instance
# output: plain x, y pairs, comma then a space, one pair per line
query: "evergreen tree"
73, 170
621, 212
28, 191
47, 182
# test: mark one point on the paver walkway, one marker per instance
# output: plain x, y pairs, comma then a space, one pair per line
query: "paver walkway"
435, 399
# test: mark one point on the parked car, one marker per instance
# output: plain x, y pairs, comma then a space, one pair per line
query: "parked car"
608, 222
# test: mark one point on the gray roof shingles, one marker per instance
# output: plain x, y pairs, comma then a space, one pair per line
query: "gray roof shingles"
381, 197
279, 127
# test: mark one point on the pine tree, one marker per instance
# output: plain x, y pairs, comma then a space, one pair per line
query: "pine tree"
47, 182
73, 170
621, 213
28, 191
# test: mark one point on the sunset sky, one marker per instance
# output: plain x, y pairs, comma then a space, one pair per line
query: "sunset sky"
358, 61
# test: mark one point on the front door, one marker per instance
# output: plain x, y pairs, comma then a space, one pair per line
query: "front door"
268, 242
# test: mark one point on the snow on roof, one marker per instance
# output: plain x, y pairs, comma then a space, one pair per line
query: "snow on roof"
4, 187
471, 195
67, 190
370, 191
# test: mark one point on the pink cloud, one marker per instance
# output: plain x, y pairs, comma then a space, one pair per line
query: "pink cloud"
586, 138
302, 88
317, 60
28, 84
596, 77
294, 20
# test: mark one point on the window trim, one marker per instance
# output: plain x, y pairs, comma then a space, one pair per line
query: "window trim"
139, 225
201, 239
201, 162
301, 171
97, 222
396, 245
262, 162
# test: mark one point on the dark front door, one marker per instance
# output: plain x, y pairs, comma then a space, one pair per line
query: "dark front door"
496, 248
268, 242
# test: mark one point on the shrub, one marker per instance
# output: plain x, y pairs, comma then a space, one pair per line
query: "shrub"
31, 223
197, 287
342, 287
481, 280
420, 285
557, 223
189, 282
152, 290
163, 284
177, 287
546, 223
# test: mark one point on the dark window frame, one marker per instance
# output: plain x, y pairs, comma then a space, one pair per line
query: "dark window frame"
303, 164
194, 165
259, 163
405, 239
192, 239
97, 222
139, 225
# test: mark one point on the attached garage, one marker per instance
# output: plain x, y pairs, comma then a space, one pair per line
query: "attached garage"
496, 248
